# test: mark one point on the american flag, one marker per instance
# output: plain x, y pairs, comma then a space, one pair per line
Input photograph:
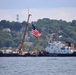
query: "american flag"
35, 32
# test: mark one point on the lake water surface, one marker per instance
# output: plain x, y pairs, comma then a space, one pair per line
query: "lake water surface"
37, 65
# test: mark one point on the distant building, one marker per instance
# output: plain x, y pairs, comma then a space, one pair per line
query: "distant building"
7, 51
6, 29
2, 51
29, 43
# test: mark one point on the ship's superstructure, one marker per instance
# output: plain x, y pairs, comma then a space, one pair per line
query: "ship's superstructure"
58, 47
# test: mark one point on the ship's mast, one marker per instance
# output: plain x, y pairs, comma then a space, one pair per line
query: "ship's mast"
23, 39
56, 35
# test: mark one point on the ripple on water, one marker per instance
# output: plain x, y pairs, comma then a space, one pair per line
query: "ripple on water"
38, 66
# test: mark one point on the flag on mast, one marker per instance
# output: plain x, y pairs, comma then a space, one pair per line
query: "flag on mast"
35, 32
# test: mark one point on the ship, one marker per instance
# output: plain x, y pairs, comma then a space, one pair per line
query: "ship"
58, 48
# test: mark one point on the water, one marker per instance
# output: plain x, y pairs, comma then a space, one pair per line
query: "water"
37, 65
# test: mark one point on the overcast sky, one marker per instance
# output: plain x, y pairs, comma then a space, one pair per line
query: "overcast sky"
53, 9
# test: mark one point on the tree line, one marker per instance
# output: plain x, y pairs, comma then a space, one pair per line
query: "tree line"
45, 26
